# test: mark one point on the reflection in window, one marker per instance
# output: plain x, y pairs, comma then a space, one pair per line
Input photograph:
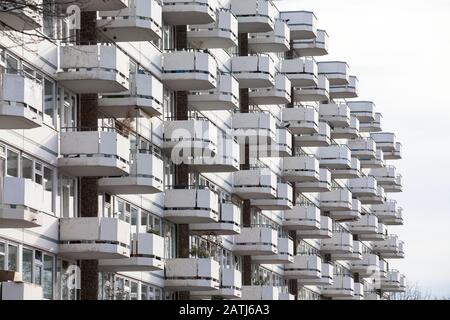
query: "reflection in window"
12, 258
48, 189
68, 197
27, 265
47, 284
12, 164
27, 168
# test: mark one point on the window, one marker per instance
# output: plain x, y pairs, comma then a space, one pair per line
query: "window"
2, 256
38, 172
12, 65
68, 199
47, 279
27, 168
38, 267
27, 265
12, 164
12, 258
134, 290
49, 102
48, 189
68, 111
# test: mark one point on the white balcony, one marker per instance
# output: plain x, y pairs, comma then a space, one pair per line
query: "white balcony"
324, 232
362, 148
336, 200
335, 157
145, 177
319, 139
363, 110
337, 72
301, 168
379, 198
392, 282
94, 238
314, 47
396, 186
230, 286
302, 72
277, 40
224, 97
182, 12
386, 211
255, 128
283, 147
219, 34
372, 126
147, 254
390, 248
140, 21
306, 268
256, 183
20, 290
377, 162
21, 16
301, 119
352, 173
279, 94
386, 141
346, 91
395, 154
339, 243
284, 255
20, 102
254, 15
256, 241
285, 295
319, 92
189, 70
342, 287
355, 254
303, 24
93, 69
95, 5
263, 292
94, 153
357, 295
367, 266
283, 200
225, 160
350, 132
337, 115
367, 224
381, 234
20, 203
302, 217
348, 215
194, 205
256, 71
192, 137
145, 94
189, 274
386, 176
383, 267
229, 222
323, 185
363, 186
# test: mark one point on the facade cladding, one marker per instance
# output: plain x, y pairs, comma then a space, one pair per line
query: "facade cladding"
188, 149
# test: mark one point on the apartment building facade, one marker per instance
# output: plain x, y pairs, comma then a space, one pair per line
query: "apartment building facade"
189, 149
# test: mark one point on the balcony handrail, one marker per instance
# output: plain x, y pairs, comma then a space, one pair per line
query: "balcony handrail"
189, 187
90, 129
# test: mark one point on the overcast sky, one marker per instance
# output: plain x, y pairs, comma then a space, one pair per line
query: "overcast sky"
400, 51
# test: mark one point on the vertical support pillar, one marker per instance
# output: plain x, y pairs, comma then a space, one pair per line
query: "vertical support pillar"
87, 118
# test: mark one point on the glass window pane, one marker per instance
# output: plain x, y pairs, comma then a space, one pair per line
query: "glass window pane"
12, 164
2, 256
48, 189
134, 291
48, 277
68, 197
144, 289
38, 267
12, 258
27, 265
12, 65
27, 168
49, 101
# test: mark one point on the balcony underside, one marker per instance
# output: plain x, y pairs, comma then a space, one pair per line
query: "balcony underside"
18, 117
93, 251
19, 217
132, 264
129, 185
93, 166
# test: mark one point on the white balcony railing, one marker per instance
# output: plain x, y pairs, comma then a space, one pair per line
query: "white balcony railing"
303, 24
255, 16
337, 72
256, 240
184, 12
189, 274
20, 102
277, 40
301, 168
302, 72
314, 47
256, 71
301, 119
257, 183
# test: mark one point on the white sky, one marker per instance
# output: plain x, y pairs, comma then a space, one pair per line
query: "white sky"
400, 51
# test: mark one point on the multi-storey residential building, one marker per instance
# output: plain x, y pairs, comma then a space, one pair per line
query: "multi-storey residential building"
187, 149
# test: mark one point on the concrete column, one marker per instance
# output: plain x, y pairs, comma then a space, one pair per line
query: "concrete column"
87, 118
